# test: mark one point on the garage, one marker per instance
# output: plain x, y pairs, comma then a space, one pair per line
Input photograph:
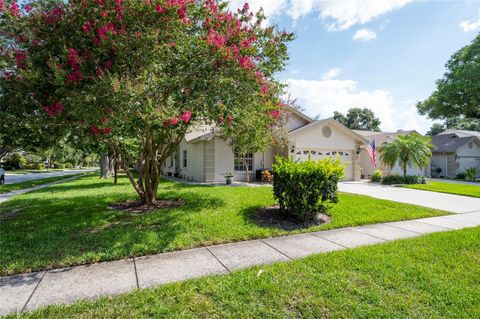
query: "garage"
327, 138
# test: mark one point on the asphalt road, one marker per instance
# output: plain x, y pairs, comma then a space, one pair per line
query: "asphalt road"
11, 178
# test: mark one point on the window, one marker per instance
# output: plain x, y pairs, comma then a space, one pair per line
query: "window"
314, 152
305, 152
185, 158
326, 131
239, 164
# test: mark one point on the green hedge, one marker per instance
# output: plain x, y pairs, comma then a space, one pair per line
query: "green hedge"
59, 165
68, 165
37, 166
307, 188
399, 179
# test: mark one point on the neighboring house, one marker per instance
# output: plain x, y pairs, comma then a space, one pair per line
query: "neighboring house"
204, 157
380, 139
454, 151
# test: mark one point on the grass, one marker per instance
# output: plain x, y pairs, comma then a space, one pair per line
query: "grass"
450, 188
70, 224
6, 188
435, 276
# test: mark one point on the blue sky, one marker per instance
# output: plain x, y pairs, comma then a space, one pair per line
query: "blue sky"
385, 55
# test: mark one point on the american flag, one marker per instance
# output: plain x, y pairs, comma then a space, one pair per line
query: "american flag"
372, 152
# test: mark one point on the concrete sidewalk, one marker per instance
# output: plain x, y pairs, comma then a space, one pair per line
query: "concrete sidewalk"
26, 292
449, 202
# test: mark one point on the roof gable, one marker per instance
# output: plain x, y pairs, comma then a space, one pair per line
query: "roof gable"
329, 121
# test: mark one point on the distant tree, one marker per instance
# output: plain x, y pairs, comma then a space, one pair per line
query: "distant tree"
460, 123
457, 93
408, 150
455, 123
359, 119
436, 128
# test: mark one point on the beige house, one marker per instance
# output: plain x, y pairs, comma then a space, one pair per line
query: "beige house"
454, 151
381, 138
204, 157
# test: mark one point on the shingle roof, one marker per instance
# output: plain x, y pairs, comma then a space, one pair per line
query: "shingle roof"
461, 133
450, 142
382, 137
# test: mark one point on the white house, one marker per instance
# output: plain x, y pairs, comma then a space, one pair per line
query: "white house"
454, 151
204, 157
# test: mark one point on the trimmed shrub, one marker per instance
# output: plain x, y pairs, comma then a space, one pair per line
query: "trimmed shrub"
68, 165
400, 179
377, 176
38, 166
59, 165
461, 175
307, 188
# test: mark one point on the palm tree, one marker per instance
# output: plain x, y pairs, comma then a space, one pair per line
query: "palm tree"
408, 150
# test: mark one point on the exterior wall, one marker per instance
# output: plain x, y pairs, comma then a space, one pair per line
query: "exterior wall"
223, 160
438, 160
340, 142
368, 168
468, 156
195, 161
294, 121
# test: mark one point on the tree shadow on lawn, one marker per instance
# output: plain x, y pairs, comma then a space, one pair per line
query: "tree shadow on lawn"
52, 231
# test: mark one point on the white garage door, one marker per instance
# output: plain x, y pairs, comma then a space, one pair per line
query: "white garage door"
345, 156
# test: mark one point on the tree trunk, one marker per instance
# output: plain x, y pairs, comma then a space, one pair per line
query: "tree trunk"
115, 171
106, 167
404, 170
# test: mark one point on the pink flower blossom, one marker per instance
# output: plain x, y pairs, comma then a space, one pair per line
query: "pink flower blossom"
275, 114
106, 130
95, 130
14, 9
174, 121
230, 119
264, 90
87, 27
160, 9
28, 8
186, 116
54, 109
104, 120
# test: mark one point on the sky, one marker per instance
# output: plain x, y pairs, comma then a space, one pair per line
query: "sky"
381, 54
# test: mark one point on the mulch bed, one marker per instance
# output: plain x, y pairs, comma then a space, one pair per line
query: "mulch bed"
273, 216
135, 207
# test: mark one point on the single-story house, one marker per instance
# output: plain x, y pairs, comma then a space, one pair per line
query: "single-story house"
380, 139
205, 157
454, 151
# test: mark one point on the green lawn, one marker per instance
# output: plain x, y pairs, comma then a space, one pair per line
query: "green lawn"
17, 186
435, 276
70, 224
451, 188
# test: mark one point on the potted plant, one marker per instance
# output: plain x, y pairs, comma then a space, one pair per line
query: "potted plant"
228, 177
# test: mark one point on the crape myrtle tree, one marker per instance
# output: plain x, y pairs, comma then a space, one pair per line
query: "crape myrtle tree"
138, 74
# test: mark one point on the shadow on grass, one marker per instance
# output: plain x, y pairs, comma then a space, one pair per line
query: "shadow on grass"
76, 227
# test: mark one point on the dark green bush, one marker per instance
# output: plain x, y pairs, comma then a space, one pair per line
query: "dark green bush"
59, 165
307, 188
461, 175
37, 166
400, 179
377, 176
16, 161
68, 165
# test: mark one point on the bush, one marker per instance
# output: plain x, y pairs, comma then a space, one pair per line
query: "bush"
471, 173
38, 166
307, 188
399, 179
16, 161
59, 165
461, 175
377, 176
68, 165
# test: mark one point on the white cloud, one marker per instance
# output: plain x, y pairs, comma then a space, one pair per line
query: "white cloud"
338, 15
331, 74
470, 26
323, 97
364, 35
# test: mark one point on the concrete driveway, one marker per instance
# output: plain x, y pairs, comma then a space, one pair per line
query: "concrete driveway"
18, 178
448, 202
